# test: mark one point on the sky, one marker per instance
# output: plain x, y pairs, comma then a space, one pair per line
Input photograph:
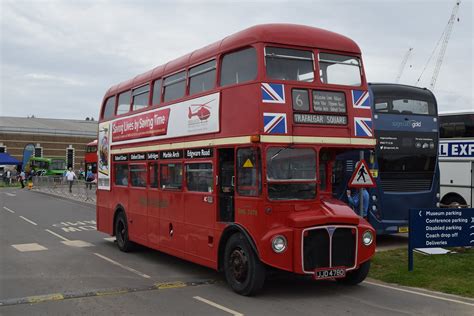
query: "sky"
58, 58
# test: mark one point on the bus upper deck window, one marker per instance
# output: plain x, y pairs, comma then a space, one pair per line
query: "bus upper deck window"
140, 97
239, 67
202, 77
339, 69
109, 108
123, 103
289, 64
174, 86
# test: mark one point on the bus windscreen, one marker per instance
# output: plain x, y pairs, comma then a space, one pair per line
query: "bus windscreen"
403, 100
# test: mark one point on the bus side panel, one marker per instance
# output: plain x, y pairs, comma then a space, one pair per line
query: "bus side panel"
104, 214
455, 173
137, 214
247, 106
456, 178
119, 197
153, 218
200, 217
172, 228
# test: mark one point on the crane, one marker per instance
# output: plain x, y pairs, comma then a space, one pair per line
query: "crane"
442, 51
445, 36
402, 65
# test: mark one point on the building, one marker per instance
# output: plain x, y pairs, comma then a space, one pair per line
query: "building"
51, 137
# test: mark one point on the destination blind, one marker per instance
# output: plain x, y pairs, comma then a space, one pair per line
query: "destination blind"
322, 119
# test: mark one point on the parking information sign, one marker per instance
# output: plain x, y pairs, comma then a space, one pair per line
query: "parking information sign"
442, 227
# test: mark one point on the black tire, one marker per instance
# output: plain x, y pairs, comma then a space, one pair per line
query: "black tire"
453, 201
121, 233
355, 277
243, 270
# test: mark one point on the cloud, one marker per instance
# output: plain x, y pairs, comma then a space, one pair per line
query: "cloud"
37, 78
68, 53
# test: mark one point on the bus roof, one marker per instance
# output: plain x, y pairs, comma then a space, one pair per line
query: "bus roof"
401, 86
289, 34
457, 112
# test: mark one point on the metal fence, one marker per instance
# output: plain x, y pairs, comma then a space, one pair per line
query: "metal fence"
80, 190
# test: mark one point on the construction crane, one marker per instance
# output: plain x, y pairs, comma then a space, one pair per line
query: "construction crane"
402, 65
442, 51
445, 36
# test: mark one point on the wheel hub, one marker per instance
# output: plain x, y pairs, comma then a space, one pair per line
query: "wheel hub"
239, 264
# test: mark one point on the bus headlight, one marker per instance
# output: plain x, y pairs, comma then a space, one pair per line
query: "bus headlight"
367, 238
437, 204
279, 243
374, 198
374, 208
438, 195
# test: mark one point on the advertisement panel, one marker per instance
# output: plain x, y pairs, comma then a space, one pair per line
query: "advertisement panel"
103, 159
191, 117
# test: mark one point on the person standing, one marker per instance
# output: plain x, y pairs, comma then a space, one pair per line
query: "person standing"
22, 179
353, 199
89, 178
70, 176
8, 179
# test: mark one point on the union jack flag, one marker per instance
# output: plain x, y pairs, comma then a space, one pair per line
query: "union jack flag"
363, 126
273, 93
360, 99
274, 123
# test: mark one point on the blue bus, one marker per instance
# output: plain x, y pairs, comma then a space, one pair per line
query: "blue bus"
405, 161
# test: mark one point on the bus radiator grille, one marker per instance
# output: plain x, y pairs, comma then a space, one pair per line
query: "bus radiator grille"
406, 185
317, 252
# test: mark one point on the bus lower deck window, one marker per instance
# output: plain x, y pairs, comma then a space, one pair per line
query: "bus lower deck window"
171, 176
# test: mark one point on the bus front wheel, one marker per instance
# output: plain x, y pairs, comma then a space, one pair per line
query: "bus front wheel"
355, 277
243, 270
121, 233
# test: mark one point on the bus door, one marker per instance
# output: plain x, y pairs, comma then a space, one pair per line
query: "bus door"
225, 186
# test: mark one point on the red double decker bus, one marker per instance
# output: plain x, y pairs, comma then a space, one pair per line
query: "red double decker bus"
90, 158
225, 156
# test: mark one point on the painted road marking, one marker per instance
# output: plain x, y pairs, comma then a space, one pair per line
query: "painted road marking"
77, 243
8, 210
77, 226
57, 235
29, 247
122, 266
225, 309
169, 285
100, 292
29, 221
10, 194
420, 293
45, 298
111, 239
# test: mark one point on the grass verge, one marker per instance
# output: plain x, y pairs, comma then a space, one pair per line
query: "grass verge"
452, 273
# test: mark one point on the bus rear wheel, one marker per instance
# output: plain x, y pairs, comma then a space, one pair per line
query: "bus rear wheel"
355, 277
243, 270
121, 233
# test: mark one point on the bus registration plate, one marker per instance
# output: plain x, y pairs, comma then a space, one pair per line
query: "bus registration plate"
403, 229
329, 273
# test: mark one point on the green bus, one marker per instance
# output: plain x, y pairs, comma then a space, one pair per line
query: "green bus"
44, 166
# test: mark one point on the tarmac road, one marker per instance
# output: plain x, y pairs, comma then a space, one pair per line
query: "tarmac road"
54, 262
